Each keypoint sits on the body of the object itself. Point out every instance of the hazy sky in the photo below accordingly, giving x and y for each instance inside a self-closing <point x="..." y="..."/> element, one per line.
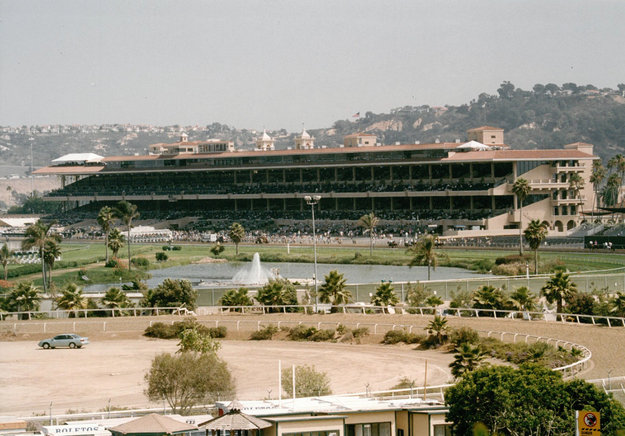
<point x="273" y="64"/>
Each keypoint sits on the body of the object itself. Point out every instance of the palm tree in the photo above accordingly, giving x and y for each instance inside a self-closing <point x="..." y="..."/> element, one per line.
<point x="438" y="328"/>
<point x="25" y="297"/>
<point x="423" y="252"/>
<point x="521" y="188"/>
<point x="469" y="357"/>
<point x="384" y="296"/>
<point x="559" y="288"/>
<point x="333" y="291"/>
<point x="535" y="234"/>
<point x="71" y="298"/>
<point x="369" y="222"/>
<point x="105" y="220"/>
<point x="236" y="297"/>
<point x="126" y="212"/>
<point x="236" y="233"/>
<point x="489" y="297"/>
<point x="51" y="252"/>
<point x="523" y="299"/>
<point x="116" y="241"/>
<point x="611" y="190"/>
<point x="617" y="163"/>
<point x="596" y="178"/>
<point x="5" y="256"/>
<point x="37" y="236"/>
<point x="115" y="298"/>
<point x="576" y="183"/>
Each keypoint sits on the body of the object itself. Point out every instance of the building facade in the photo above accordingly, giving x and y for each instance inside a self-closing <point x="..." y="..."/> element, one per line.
<point x="464" y="189"/>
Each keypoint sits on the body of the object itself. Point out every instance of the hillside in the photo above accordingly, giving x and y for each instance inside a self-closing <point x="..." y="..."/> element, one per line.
<point x="547" y="116"/>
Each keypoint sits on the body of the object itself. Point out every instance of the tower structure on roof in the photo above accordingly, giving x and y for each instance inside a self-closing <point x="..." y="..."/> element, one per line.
<point x="265" y="142"/>
<point x="304" y="141"/>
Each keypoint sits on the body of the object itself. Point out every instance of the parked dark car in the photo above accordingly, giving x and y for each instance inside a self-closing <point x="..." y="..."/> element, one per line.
<point x="70" y="340"/>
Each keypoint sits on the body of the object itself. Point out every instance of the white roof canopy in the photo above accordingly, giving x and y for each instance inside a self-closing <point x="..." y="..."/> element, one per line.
<point x="473" y="146"/>
<point x="79" y="157"/>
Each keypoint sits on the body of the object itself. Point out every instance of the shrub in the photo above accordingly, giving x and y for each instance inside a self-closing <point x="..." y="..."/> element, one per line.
<point x="161" y="257"/>
<point x="464" y="335"/>
<point x="264" y="334"/>
<point x="160" y="330"/>
<point x="140" y="262"/>
<point x="301" y="333"/>
<point x="166" y="248"/>
<point x="397" y="336"/>
<point x="176" y="248"/>
<point x="112" y="263"/>
<point x="322" y="336"/>
<point x="360" y="332"/>
<point x="509" y="269"/>
<point x="217" y="249"/>
<point x="171" y="331"/>
<point x="514" y="258"/>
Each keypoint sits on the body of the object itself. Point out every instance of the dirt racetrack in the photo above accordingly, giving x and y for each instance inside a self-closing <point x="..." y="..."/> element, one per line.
<point x="113" y="365"/>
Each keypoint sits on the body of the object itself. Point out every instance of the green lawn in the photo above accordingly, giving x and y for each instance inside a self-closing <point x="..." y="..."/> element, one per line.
<point x="90" y="256"/>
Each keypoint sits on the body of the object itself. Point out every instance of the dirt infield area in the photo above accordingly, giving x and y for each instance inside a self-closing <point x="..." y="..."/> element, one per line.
<point x="113" y="365"/>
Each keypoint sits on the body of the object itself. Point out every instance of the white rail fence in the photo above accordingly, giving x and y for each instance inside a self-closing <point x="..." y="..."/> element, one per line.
<point x="363" y="309"/>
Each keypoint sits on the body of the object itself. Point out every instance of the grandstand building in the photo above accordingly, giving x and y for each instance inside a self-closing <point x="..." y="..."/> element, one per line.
<point x="463" y="189"/>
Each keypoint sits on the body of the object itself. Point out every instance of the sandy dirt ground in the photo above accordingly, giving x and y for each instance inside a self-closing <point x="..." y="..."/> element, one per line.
<point x="85" y="379"/>
<point x="113" y="365"/>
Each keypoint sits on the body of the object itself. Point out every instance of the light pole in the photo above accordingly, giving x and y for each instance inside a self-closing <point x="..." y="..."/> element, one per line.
<point x="312" y="201"/>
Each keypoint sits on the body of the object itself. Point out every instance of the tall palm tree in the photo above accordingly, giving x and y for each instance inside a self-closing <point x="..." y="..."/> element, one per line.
<point x="126" y="213"/>
<point x="438" y="328"/>
<point x="369" y="222"/>
<point x="116" y="241"/>
<point x="384" y="295"/>
<point x="334" y="290"/>
<point x="576" y="184"/>
<point x="521" y="188"/>
<point x="611" y="190"/>
<point x="559" y="288"/>
<point x="71" y="298"/>
<point x="236" y="233"/>
<point x="25" y="297"/>
<point x="469" y="357"/>
<point x="617" y="163"/>
<point x="5" y="257"/>
<point x="535" y="234"/>
<point x="105" y="220"/>
<point x="37" y="236"/>
<point x="596" y="178"/>
<point x="51" y="252"/>
<point x="423" y="252"/>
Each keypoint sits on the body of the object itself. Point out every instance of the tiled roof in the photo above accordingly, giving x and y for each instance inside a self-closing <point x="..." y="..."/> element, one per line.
<point x="153" y="424"/>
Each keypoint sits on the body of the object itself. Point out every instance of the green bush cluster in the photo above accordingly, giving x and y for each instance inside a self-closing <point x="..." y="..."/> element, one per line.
<point x="264" y="334"/>
<point x="161" y="257"/>
<point x="112" y="263"/>
<point x="172" y="331"/>
<point x="140" y="262"/>
<point x="171" y="248"/>
<point x="397" y="336"/>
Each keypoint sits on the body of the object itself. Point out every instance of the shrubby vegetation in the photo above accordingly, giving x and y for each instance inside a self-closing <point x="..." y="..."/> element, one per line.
<point x="310" y="333"/>
<point x="529" y="400"/>
<point x="308" y="382"/>
<point x="171" y="331"/>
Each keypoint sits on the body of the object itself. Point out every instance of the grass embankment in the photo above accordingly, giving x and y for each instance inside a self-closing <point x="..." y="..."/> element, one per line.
<point x="90" y="257"/>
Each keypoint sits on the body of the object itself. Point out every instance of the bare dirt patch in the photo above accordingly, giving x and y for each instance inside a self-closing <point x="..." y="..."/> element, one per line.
<point x="114" y="364"/>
